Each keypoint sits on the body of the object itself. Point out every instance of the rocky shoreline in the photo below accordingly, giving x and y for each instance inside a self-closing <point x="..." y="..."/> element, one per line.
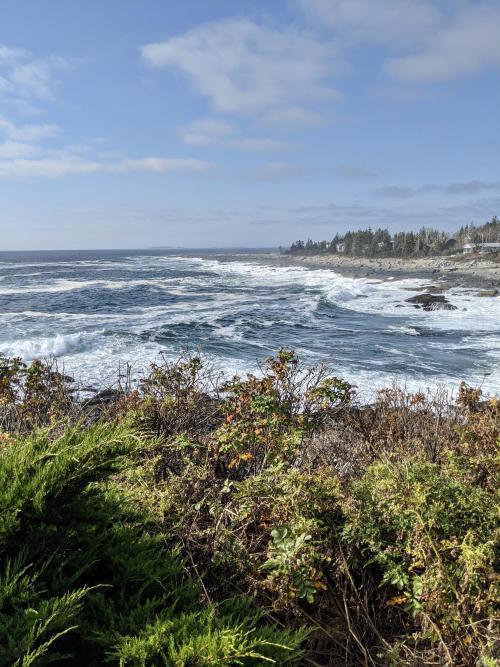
<point x="458" y="271"/>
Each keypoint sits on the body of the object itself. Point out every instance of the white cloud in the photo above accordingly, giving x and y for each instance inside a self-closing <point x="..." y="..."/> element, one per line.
<point x="47" y="166"/>
<point x="206" y="131"/>
<point x="469" y="44"/>
<point x="434" y="41"/>
<point x="389" y="22"/>
<point x="16" y="149"/>
<point x="158" y="165"/>
<point x="27" y="132"/>
<point x="20" y="141"/>
<point x="245" y="68"/>
<point x="61" y="163"/>
<point x="23" y="149"/>
<point x="23" y="75"/>
<point x="210" y="132"/>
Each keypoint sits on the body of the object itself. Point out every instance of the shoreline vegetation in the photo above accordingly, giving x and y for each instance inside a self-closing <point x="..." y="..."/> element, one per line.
<point x="426" y="242"/>
<point x="199" y="521"/>
<point x="426" y="254"/>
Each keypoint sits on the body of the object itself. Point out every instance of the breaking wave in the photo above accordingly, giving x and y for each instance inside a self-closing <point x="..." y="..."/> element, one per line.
<point x="109" y="308"/>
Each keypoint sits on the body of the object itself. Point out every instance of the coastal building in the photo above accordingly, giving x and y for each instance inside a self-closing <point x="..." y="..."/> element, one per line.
<point x="340" y="247"/>
<point x="481" y="247"/>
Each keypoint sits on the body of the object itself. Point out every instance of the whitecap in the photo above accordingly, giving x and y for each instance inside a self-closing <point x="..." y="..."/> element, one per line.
<point x="48" y="347"/>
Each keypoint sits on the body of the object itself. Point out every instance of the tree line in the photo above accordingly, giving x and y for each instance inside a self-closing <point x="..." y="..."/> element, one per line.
<point x="380" y="243"/>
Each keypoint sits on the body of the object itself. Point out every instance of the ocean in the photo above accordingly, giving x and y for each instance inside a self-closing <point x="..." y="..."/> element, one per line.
<point x="97" y="310"/>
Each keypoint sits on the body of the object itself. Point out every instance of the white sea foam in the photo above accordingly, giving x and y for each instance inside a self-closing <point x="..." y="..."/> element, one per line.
<point x="60" y="285"/>
<point x="50" y="346"/>
<point x="410" y="331"/>
<point x="254" y="308"/>
<point x="473" y="312"/>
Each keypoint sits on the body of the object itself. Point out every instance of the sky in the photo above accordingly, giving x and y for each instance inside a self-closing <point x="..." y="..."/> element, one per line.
<point x="145" y="123"/>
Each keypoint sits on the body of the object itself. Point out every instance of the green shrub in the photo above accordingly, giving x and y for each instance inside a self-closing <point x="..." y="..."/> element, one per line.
<point x="87" y="577"/>
<point x="433" y="534"/>
<point x="213" y="513"/>
<point x="34" y="395"/>
<point x="268" y="417"/>
<point x="177" y="397"/>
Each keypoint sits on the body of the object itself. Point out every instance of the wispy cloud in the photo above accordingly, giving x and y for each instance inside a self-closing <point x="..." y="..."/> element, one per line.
<point x="30" y="150"/>
<point x="471" y="187"/>
<point x="465" y="188"/>
<point x="388" y="22"/>
<point x="157" y="165"/>
<point x="245" y="68"/>
<point x="206" y="131"/>
<point x="425" y="41"/>
<point x="16" y="149"/>
<point x="64" y="162"/>
<point x="333" y="216"/>
<point x="31" y="133"/>
<point x="24" y="75"/>
<point x="210" y="132"/>
<point x="468" y="44"/>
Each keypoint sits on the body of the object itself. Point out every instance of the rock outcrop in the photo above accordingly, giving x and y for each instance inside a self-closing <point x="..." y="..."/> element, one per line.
<point x="431" y="302"/>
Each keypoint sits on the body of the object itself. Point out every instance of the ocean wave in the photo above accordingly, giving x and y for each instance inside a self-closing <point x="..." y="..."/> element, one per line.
<point x="402" y="329"/>
<point x="50" y="346"/>
<point x="380" y="297"/>
<point x="60" y="285"/>
<point x="240" y="312"/>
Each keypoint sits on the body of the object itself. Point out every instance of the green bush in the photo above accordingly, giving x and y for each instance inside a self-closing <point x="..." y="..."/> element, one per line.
<point x="34" y="395"/>
<point x="434" y="535"/>
<point x="86" y="577"/>
<point x="212" y="513"/>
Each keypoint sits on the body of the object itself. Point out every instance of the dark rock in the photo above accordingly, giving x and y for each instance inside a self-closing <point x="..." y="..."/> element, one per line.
<point x="439" y="306"/>
<point x="431" y="302"/>
<point x="426" y="299"/>
<point x="103" y="398"/>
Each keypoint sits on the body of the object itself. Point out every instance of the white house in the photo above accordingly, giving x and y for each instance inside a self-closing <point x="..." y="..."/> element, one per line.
<point x="481" y="247"/>
<point x="340" y="247"/>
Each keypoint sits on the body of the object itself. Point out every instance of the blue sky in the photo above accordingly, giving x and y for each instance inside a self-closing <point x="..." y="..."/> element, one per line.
<point x="145" y="123"/>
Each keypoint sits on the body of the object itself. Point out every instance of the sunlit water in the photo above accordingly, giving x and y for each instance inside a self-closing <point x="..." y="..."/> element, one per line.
<point x="97" y="310"/>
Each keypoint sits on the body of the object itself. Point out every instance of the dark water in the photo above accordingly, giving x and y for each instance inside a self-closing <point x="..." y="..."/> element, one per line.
<point x="97" y="309"/>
